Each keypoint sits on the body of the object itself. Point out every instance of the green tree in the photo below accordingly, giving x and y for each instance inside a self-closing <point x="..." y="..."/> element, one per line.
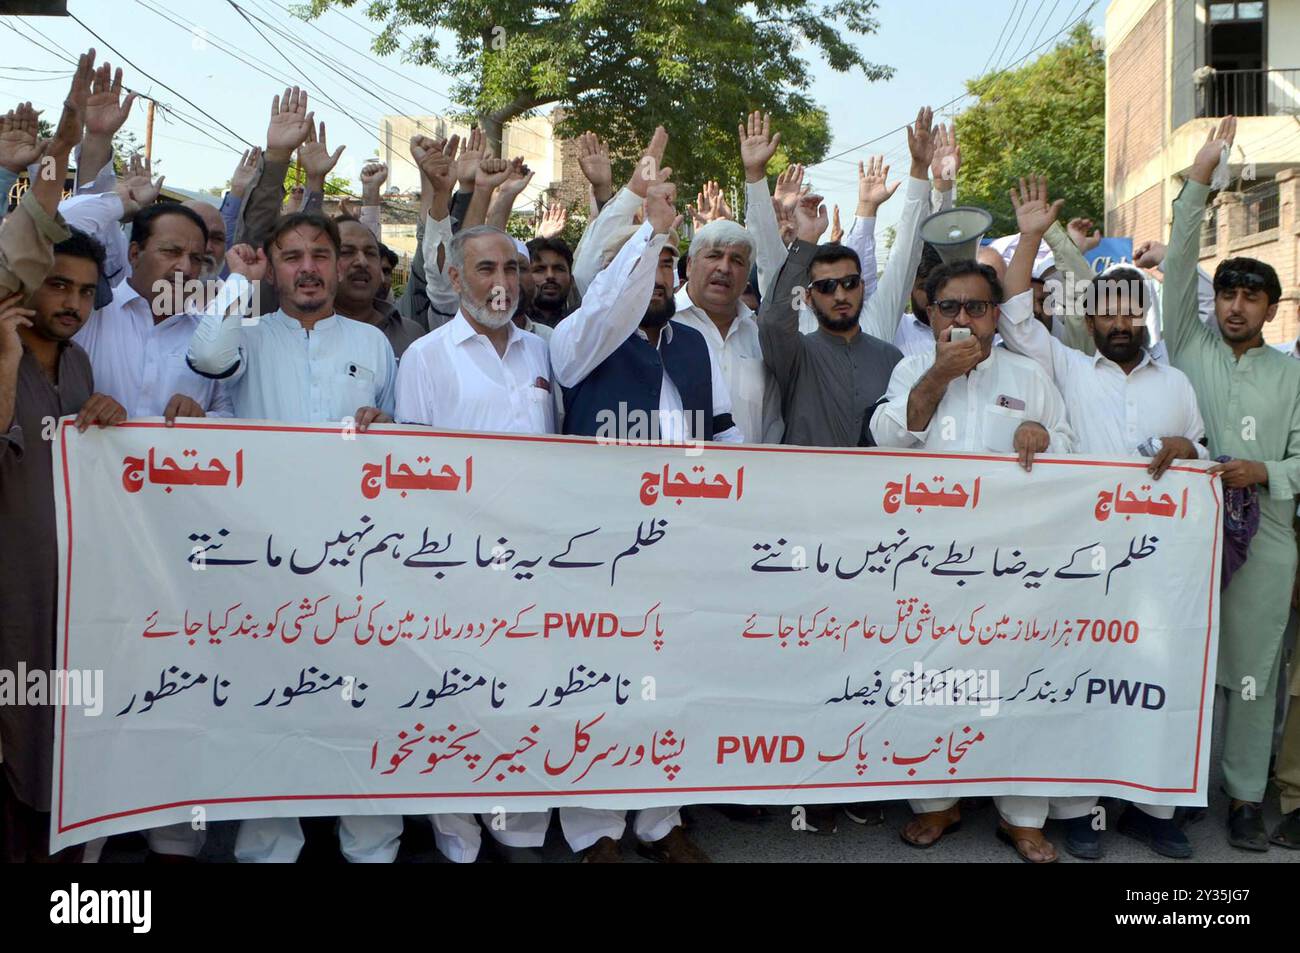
<point x="1047" y="117"/>
<point x="620" y="67"/>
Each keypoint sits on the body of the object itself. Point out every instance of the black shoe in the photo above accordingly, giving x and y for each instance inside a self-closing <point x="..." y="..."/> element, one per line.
<point x="1288" y="832"/>
<point x="1082" y="840"/>
<point x="1160" y="834"/>
<point x="820" y="819"/>
<point x="1246" y="828"/>
<point x="869" y="813"/>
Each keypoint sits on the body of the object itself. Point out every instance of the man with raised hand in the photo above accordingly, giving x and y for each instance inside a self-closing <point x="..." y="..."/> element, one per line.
<point x="830" y="378"/>
<point x="620" y="349"/>
<point x="480" y="371"/>
<point x="1117" y="400"/>
<point x="43" y="376"/>
<point x="1249" y="394"/>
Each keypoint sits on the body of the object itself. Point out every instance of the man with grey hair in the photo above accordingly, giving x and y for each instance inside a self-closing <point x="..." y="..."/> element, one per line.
<point x="480" y="371"/>
<point x="717" y="270"/>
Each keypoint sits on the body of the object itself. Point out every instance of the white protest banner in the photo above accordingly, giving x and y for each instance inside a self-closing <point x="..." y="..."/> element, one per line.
<point x="294" y="620"/>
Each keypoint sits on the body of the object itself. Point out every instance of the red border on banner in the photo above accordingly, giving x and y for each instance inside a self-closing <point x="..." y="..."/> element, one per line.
<point x="712" y="447"/>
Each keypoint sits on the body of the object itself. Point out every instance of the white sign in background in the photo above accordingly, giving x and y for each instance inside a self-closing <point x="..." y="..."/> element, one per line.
<point x="290" y="622"/>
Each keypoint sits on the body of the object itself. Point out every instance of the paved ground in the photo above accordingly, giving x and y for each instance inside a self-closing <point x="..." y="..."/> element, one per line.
<point x="775" y="840"/>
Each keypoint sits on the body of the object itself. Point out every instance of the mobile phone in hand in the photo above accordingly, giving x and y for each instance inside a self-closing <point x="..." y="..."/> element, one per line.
<point x="960" y="334"/>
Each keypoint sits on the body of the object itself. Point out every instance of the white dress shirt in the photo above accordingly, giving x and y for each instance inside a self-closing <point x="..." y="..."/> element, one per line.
<point x="755" y="396"/>
<point x="141" y="364"/>
<point x="972" y="415"/>
<point x="275" y="369"/>
<point x="611" y="311"/>
<point x="99" y="215"/>
<point x="454" y="378"/>
<point x="1110" y="412"/>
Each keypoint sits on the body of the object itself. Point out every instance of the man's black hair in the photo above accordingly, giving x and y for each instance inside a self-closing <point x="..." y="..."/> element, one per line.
<point x="1223" y="276"/>
<point x="1106" y="287"/>
<point x="832" y="252"/>
<point x="959" y="269"/>
<point x="388" y="255"/>
<point x="142" y="221"/>
<point x="81" y="245"/>
<point x="287" y="223"/>
<point x="557" y="245"/>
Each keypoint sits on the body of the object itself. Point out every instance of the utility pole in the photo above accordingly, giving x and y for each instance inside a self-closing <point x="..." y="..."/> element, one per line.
<point x="148" y="136"/>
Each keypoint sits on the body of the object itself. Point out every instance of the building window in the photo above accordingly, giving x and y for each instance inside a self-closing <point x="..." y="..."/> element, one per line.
<point x="1236" y="45"/>
<point x="1261" y="207"/>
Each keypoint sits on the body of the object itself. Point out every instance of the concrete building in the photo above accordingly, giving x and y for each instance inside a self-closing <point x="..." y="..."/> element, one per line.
<point x="1173" y="67"/>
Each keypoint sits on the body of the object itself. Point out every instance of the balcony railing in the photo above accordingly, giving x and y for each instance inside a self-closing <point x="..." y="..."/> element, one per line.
<point x="1249" y="92"/>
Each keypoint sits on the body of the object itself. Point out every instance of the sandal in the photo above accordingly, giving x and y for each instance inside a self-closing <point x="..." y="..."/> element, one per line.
<point x="933" y="825"/>
<point x="1025" y="839"/>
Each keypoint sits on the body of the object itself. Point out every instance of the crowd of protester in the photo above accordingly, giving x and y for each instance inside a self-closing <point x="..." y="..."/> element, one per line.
<point x="115" y="304"/>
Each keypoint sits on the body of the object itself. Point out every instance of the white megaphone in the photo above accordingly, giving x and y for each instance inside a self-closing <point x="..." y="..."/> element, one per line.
<point x="956" y="233"/>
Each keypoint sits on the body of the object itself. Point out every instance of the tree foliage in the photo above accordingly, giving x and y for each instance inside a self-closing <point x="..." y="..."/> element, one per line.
<point x="620" y="67"/>
<point x="1048" y="117"/>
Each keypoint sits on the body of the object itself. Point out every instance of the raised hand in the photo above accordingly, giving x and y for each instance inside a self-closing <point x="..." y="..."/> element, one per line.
<point x="810" y="218"/>
<point x="290" y="124"/>
<point x="837" y="231"/>
<point x="517" y="179"/>
<point x="245" y="171"/>
<point x="788" y="184"/>
<point x="593" y="160"/>
<point x="1207" y="159"/>
<point x="1082" y="232"/>
<point x="19" y="146"/>
<point x="921" y="142"/>
<point x="711" y="205"/>
<point x="757" y="145"/>
<point x="373" y="177"/>
<point x="874" y="189"/>
<point x="552" y="222"/>
<point x="1149" y="254"/>
<point x="1034" y="213"/>
<point x="106" y="111"/>
<point x="947" y="157"/>
<point x="437" y="160"/>
<point x="648" y="169"/>
<point x="247" y="261"/>
<point x="72" y="121"/>
<point x="315" y="157"/>
<point x="135" y="187"/>
<point x="472" y="150"/>
<point x="491" y="173"/>
<point x="658" y="208"/>
<point x="784" y="221"/>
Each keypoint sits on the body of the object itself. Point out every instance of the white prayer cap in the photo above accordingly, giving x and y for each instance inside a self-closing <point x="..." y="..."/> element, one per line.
<point x="1043" y="265"/>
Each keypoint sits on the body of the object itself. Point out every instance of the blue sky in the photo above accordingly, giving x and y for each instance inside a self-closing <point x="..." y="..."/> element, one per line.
<point x="934" y="46"/>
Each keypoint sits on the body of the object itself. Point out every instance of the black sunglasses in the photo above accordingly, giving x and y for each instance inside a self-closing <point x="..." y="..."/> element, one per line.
<point x="827" y="285"/>
<point x="1240" y="279"/>
<point x="950" y="307"/>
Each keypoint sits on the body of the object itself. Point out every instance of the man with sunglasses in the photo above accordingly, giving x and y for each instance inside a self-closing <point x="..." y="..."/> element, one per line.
<point x="970" y="396"/>
<point x="828" y="378"/>
<point x="1250" y="396"/>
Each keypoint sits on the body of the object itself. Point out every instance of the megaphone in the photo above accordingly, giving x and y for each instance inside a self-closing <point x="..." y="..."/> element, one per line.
<point x="956" y="233"/>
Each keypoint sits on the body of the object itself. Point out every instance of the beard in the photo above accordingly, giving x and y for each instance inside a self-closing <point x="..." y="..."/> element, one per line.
<point x="486" y="316"/>
<point x="921" y="314"/>
<point x="657" y="315"/>
<point x="1125" y="352"/>
<point x="831" y="323"/>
